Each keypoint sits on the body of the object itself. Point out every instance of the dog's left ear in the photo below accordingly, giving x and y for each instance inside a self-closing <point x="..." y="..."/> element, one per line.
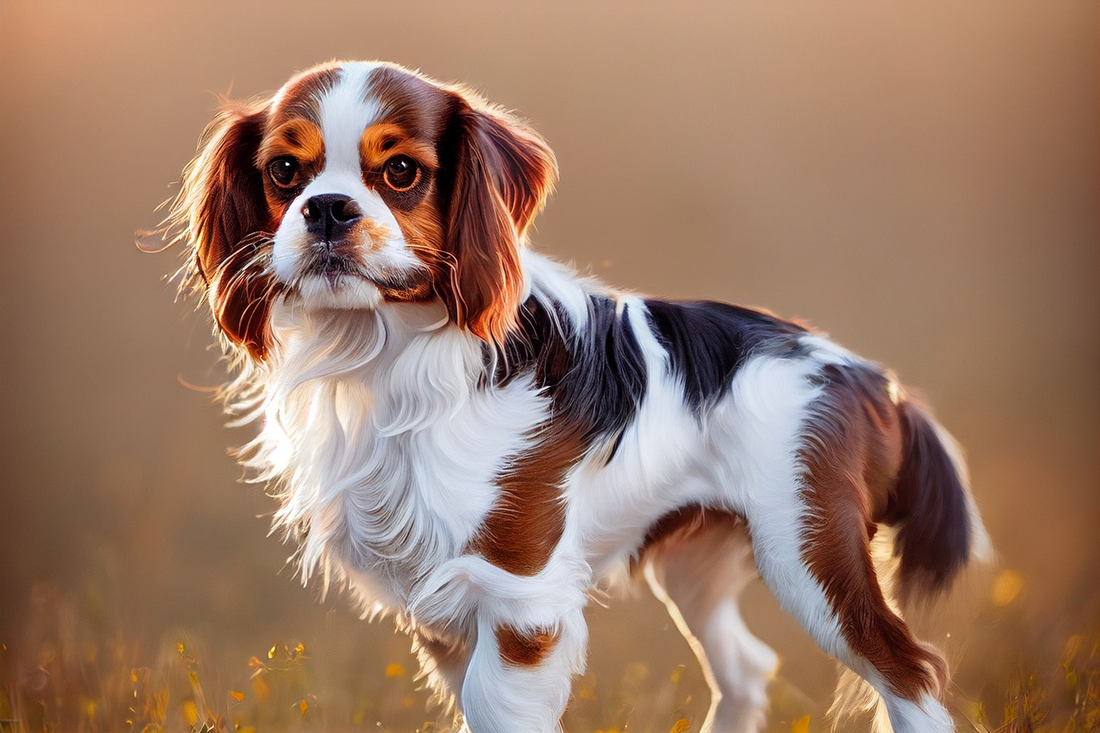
<point x="503" y="173"/>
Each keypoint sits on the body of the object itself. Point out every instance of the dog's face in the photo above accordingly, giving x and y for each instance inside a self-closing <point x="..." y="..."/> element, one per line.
<point x="359" y="184"/>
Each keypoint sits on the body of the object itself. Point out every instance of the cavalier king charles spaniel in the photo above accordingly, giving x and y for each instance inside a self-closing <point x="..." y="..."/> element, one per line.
<point x="471" y="437"/>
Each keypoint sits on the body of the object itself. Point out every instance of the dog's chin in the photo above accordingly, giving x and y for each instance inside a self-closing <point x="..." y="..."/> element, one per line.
<point x="342" y="292"/>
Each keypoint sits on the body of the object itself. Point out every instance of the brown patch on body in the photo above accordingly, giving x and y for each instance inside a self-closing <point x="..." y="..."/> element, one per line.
<point x="524" y="649"/>
<point x="851" y="465"/>
<point x="523" y="528"/>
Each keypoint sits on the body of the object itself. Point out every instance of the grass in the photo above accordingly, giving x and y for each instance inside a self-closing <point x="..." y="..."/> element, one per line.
<point x="72" y="670"/>
<point x="93" y="689"/>
<point x="1064" y="700"/>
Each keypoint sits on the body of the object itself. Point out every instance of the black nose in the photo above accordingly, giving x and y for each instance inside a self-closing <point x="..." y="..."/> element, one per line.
<point x="331" y="215"/>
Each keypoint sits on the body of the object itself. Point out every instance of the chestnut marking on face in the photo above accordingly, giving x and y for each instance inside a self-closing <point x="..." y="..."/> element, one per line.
<point x="290" y="155"/>
<point x="400" y="167"/>
<point x="299" y="97"/>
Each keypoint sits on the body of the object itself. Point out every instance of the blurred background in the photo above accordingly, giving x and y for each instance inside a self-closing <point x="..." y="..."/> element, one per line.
<point x="920" y="179"/>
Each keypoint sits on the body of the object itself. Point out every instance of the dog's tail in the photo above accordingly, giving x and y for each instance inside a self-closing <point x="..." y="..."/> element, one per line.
<point x="937" y="527"/>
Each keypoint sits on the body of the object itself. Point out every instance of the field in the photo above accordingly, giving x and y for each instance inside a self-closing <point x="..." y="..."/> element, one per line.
<point x="76" y="669"/>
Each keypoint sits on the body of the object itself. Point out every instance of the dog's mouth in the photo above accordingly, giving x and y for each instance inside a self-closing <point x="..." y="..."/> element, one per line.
<point x="340" y="271"/>
<point x="328" y="264"/>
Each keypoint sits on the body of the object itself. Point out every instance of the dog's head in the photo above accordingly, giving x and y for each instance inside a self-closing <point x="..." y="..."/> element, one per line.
<point x="358" y="184"/>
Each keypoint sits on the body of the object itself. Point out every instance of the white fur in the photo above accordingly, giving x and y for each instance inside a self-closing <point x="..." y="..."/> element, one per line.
<point x="346" y="111"/>
<point x="363" y="402"/>
<point x="929" y="716"/>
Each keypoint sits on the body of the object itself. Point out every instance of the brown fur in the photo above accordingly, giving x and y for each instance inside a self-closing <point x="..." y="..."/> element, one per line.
<point x="224" y="202"/>
<point x="850" y="474"/>
<point x="523" y="528"/>
<point x="503" y="174"/>
<point x="524" y="650"/>
<point x="299" y="138"/>
<point x="383" y="140"/>
<point x="300" y="95"/>
<point x="418" y="107"/>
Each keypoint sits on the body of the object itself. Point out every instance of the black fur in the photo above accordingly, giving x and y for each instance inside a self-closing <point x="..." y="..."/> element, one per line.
<point x="707" y="342"/>
<point x="934" y="540"/>
<point x="597" y="376"/>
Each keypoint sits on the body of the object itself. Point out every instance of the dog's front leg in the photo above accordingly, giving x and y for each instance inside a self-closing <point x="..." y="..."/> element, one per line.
<point x="531" y="638"/>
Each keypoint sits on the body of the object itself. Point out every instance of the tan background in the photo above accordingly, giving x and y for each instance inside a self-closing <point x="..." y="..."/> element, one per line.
<point x="921" y="179"/>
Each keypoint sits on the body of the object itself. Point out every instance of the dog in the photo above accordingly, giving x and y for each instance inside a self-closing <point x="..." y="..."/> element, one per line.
<point x="471" y="437"/>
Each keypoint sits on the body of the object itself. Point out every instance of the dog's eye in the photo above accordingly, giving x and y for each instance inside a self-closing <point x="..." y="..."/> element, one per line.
<point x="401" y="173"/>
<point x="283" y="171"/>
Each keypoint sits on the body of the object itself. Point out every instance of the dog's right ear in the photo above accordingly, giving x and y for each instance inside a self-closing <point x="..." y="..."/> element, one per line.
<point x="224" y="216"/>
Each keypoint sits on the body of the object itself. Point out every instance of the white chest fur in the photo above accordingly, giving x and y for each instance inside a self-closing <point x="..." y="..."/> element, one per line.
<point x="382" y="439"/>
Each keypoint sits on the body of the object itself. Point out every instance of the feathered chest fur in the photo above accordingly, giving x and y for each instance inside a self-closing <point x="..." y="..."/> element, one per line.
<point x="383" y="441"/>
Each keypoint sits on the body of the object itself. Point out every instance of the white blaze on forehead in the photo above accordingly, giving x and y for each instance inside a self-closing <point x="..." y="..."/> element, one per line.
<point x="345" y="113"/>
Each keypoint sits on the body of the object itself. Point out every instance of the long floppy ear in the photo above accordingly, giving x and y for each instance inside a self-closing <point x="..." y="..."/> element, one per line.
<point x="224" y="214"/>
<point x="503" y="175"/>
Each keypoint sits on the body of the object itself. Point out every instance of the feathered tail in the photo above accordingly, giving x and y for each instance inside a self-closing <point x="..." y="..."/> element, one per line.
<point x="937" y="530"/>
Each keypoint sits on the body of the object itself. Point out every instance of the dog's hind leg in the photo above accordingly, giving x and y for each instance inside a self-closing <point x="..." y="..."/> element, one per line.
<point x="698" y="569"/>
<point x="824" y="576"/>
<point x="813" y="465"/>
<point x="828" y="584"/>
